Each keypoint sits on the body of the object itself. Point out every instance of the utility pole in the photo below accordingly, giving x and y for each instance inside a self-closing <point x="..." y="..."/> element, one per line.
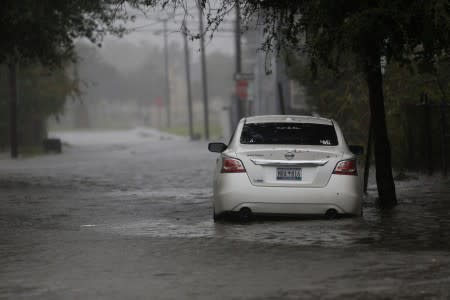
<point x="205" y="82"/>
<point x="13" y="133"/>
<point x="237" y="36"/>
<point x="166" y="70"/>
<point x="188" y="80"/>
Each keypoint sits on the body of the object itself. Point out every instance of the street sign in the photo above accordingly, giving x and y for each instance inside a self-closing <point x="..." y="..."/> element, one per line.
<point x="241" y="89"/>
<point x="159" y="102"/>
<point x="244" y="76"/>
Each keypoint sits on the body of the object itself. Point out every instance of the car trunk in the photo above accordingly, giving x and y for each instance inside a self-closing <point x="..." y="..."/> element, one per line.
<point x="289" y="166"/>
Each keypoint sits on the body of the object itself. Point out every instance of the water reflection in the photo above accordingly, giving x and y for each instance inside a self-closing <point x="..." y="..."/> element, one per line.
<point x="412" y="225"/>
<point x="330" y="233"/>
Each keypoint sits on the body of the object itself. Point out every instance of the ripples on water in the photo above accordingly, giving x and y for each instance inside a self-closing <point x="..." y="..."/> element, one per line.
<point x="421" y="221"/>
<point x="148" y="175"/>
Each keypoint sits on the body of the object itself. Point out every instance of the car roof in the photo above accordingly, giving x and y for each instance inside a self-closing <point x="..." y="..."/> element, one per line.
<point x="288" y="119"/>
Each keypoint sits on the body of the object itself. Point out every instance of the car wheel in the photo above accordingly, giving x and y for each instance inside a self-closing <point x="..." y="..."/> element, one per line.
<point x="331" y="214"/>
<point x="245" y="215"/>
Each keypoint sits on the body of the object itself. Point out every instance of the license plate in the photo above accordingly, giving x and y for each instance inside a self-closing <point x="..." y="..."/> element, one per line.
<point x="289" y="174"/>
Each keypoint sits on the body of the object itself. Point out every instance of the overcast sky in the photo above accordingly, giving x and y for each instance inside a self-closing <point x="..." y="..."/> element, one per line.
<point x="147" y="31"/>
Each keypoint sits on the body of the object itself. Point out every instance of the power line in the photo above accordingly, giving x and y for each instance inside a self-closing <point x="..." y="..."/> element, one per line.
<point x="161" y="20"/>
<point x="144" y="25"/>
<point x="178" y="30"/>
<point x="172" y="17"/>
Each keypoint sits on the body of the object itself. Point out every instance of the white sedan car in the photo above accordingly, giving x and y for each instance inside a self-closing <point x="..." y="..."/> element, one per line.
<point x="281" y="164"/>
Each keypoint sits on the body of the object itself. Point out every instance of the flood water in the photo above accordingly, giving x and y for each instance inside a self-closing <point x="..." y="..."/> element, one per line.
<point x="127" y="214"/>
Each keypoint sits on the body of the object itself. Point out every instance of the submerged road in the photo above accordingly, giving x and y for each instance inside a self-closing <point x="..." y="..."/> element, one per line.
<point x="127" y="215"/>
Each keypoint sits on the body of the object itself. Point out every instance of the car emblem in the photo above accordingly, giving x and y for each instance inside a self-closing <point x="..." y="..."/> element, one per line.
<point x="289" y="155"/>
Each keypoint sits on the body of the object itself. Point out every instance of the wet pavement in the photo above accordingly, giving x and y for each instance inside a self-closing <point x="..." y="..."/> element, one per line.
<point x="127" y="215"/>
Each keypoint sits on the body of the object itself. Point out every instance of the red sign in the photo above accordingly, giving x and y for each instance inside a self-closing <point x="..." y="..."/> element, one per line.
<point x="241" y="89"/>
<point x="159" y="102"/>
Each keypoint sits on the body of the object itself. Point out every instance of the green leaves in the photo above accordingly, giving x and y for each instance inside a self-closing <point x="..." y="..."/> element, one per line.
<point x="398" y="29"/>
<point x="44" y="31"/>
<point x="42" y="93"/>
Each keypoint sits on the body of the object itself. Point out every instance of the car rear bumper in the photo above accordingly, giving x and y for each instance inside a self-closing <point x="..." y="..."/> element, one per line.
<point x="234" y="191"/>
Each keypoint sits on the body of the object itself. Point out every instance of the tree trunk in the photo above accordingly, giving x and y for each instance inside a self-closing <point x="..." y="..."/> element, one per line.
<point x="13" y="133"/>
<point x="368" y="157"/>
<point x="427" y="136"/>
<point x="385" y="181"/>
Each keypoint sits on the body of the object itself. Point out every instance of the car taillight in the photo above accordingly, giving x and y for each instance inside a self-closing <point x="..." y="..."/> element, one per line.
<point x="232" y="165"/>
<point x="346" y="167"/>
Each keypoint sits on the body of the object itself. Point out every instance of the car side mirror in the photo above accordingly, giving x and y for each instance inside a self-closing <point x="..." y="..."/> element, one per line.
<point x="217" y="147"/>
<point x="357" y="150"/>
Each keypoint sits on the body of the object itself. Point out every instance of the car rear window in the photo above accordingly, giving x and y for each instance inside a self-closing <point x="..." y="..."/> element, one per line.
<point x="289" y="134"/>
